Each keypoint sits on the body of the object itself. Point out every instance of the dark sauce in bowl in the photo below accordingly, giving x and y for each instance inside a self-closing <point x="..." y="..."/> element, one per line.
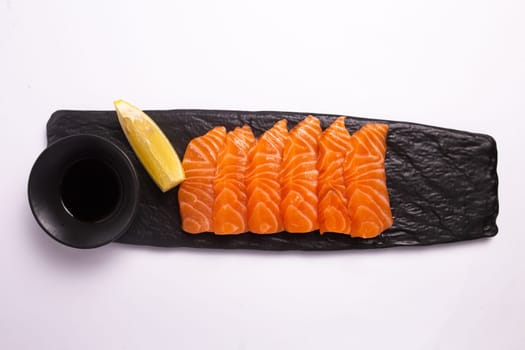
<point x="90" y="190"/>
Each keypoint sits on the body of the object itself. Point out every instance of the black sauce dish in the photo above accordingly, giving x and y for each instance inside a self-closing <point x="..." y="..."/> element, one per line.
<point x="83" y="191"/>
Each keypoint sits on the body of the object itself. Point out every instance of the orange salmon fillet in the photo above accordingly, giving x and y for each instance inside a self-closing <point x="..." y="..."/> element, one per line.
<point x="264" y="182"/>
<point x="196" y="192"/>
<point x="334" y="143"/>
<point x="230" y="206"/>
<point x="300" y="176"/>
<point x="365" y="180"/>
<point x="297" y="181"/>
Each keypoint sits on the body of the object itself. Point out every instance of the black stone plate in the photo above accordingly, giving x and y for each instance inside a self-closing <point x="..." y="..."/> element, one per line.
<point x="443" y="183"/>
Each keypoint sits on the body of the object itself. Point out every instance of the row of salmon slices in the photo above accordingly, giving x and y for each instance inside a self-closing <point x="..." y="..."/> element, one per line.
<point x="298" y="181"/>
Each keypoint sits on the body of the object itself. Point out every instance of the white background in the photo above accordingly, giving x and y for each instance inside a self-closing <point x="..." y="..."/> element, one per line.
<point x="457" y="64"/>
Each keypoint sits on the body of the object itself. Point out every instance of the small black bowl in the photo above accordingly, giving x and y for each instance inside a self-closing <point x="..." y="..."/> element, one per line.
<point x="83" y="191"/>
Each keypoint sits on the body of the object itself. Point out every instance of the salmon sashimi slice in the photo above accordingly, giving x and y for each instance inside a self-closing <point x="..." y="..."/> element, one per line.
<point x="365" y="182"/>
<point x="230" y="214"/>
<point x="263" y="181"/>
<point x="299" y="177"/>
<point x="196" y="194"/>
<point x="334" y="143"/>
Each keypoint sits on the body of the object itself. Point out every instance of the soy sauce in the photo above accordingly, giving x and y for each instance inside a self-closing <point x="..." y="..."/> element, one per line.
<point x="90" y="190"/>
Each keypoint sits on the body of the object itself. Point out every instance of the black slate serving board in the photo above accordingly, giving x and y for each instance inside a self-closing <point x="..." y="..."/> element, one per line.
<point x="443" y="183"/>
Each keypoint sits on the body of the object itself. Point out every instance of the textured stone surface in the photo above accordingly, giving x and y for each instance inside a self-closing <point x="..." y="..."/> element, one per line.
<point x="443" y="183"/>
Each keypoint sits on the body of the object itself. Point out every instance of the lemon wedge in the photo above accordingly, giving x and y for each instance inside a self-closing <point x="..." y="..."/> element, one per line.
<point x="151" y="146"/>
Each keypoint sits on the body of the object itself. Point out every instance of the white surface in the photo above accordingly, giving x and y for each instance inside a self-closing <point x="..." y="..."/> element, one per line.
<point x="458" y="64"/>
